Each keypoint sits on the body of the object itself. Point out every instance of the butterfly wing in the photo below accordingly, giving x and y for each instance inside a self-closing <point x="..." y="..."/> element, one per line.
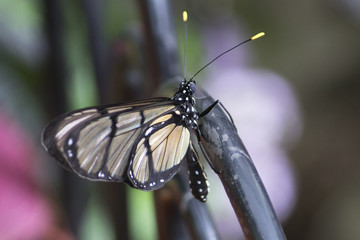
<point x="159" y="152"/>
<point x="99" y="143"/>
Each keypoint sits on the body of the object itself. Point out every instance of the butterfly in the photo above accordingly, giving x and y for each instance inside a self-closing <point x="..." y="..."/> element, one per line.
<point x="140" y="143"/>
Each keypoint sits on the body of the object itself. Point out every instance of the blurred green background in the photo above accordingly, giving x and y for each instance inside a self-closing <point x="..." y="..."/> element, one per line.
<point x="314" y="45"/>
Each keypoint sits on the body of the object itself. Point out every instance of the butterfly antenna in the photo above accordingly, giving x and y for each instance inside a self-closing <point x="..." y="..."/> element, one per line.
<point x="185" y="17"/>
<point x="250" y="39"/>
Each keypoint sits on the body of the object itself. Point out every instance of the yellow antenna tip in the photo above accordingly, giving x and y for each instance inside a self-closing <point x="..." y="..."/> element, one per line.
<point x="259" y="35"/>
<point x="185" y="16"/>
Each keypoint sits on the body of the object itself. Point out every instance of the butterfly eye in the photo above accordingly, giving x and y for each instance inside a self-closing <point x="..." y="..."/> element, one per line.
<point x="192" y="87"/>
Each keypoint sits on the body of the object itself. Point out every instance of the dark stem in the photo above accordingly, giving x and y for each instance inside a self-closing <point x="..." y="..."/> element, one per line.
<point x="72" y="192"/>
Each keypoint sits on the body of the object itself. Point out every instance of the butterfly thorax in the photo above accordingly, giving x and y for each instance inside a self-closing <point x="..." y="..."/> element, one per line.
<point x="184" y="96"/>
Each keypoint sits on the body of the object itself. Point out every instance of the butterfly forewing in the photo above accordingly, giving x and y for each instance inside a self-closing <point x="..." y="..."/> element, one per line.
<point x="57" y="132"/>
<point x="98" y="143"/>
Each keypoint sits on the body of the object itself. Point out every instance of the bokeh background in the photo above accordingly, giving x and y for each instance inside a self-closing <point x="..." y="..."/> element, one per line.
<point x="294" y="96"/>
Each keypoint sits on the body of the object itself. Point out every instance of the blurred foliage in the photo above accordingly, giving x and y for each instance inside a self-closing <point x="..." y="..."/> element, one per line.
<point x="97" y="224"/>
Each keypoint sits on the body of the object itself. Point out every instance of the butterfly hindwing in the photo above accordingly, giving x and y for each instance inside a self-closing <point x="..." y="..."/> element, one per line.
<point x="159" y="152"/>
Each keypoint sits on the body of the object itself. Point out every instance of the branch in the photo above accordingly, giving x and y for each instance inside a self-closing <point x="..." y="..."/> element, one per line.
<point x="241" y="181"/>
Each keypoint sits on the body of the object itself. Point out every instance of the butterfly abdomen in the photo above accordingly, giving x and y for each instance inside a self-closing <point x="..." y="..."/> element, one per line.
<point x="199" y="184"/>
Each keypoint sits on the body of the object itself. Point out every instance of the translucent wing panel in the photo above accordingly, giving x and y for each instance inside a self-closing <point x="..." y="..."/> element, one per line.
<point x="91" y="145"/>
<point x="101" y="149"/>
<point x="120" y="152"/>
<point x="58" y="131"/>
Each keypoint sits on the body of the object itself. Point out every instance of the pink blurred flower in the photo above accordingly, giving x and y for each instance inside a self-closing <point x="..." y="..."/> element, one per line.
<point x="25" y="212"/>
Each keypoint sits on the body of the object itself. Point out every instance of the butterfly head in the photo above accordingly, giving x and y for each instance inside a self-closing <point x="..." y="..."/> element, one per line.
<point x="185" y="92"/>
<point x="188" y="87"/>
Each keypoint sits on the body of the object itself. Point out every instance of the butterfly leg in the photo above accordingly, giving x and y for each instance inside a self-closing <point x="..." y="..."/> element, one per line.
<point x="208" y="109"/>
<point x="227" y="112"/>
